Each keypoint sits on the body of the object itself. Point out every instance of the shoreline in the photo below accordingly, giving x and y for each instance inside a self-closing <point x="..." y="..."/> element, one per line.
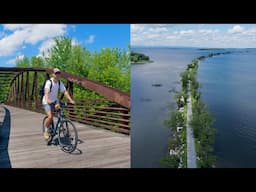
<point x="141" y="62"/>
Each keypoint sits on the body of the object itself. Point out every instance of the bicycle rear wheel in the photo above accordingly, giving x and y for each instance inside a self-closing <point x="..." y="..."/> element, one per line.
<point x="67" y="135"/>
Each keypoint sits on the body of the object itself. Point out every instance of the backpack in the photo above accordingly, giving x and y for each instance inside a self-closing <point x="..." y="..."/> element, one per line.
<point x="41" y="90"/>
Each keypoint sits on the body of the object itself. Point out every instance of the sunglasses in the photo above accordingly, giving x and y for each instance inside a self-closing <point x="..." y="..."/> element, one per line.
<point x="57" y="73"/>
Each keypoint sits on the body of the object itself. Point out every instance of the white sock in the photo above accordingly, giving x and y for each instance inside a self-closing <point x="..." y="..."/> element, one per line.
<point x="45" y="129"/>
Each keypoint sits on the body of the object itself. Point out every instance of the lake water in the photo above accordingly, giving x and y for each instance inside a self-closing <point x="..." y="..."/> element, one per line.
<point x="150" y="105"/>
<point x="229" y="90"/>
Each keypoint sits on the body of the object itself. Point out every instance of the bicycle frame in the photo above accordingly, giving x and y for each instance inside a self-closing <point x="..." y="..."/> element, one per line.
<point x="67" y="141"/>
<point x="60" y="118"/>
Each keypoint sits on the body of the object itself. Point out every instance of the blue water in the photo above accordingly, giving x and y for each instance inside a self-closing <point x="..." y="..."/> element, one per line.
<point x="152" y="105"/>
<point x="229" y="90"/>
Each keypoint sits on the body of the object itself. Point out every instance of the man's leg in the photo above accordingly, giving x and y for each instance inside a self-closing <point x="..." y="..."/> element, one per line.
<point x="48" y="121"/>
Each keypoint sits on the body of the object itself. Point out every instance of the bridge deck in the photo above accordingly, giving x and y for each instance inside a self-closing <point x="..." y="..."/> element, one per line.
<point x="26" y="147"/>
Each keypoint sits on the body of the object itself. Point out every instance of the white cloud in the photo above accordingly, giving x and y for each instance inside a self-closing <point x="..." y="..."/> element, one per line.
<point x="139" y="28"/>
<point x="20" y="57"/>
<point x="11" y="61"/>
<point x="197" y="35"/>
<point x="136" y="28"/>
<point x="13" y="27"/>
<point x="250" y="32"/>
<point x="45" y="46"/>
<point x="10" y="43"/>
<point x="90" y="39"/>
<point x="28" y="34"/>
<point x="187" y="32"/>
<point x="2" y="34"/>
<point x="74" y="42"/>
<point x="43" y="31"/>
<point x="162" y="25"/>
<point x="14" y="60"/>
<point x="158" y="29"/>
<point x="208" y="31"/>
<point x="236" y="29"/>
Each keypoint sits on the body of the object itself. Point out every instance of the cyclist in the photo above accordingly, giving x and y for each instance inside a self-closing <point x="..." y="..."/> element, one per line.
<point x="51" y="96"/>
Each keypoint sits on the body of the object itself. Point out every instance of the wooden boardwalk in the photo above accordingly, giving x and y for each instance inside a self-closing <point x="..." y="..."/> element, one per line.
<point x="22" y="145"/>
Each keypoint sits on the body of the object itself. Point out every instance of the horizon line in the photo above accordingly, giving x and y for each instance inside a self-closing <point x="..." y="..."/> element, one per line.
<point x="167" y="46"/>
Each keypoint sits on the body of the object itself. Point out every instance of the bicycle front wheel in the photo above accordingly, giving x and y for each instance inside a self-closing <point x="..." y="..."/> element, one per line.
<point x="67" y="136"/>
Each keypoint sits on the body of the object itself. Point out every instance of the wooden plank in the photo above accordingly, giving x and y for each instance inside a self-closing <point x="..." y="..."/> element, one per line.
<point x="27" y="149"/>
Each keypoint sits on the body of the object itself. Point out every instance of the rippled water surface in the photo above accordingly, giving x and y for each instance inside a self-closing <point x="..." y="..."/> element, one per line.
<point x="229" y="90"/>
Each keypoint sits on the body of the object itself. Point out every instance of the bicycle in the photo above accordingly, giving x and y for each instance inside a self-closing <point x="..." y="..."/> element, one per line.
<point x="64" y="129"/>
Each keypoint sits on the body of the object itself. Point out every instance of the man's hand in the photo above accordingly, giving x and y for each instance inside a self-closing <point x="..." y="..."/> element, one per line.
<point x="69" y="98"/>
<point x="72" y="101"/>
<point x="57" y="106"/>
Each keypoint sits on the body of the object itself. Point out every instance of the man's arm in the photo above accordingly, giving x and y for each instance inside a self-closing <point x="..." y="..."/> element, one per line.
<point x="46" y="93"/>
<point x="68" y="97"/>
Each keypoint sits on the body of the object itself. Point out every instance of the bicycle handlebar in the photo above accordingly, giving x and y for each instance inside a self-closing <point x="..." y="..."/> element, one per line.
<point x="61" y="103"/>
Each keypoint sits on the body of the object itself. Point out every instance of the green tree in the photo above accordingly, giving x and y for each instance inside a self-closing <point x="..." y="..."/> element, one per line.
<point x="179" y="97"/>
<point x="170" y="161"/>
<point x="24" y="62"/>
<point x="139" y="57"/>
<point x="108" y="66"/>
<point x="37" y="61"/>
<point x="112" y="68"/>
<point x="60" y="53"/>
<point x="175" y="120"/>
<point x="174" y="142"/>
<point x="202" y="124"/>
<point x="184" y="80"/>
<point x="81" y="58"/>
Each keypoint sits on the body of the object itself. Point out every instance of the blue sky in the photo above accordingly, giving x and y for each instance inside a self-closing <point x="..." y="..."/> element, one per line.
<point x="19" y="40"/>
<point x="194" y="35"/>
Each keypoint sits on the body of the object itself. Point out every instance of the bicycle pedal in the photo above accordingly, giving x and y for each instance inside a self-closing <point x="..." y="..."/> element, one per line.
<point x="48" y="143"/>
<point x="49" y="140"/>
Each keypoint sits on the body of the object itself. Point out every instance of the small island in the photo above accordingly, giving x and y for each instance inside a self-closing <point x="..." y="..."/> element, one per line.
<point x="139" y="58"/>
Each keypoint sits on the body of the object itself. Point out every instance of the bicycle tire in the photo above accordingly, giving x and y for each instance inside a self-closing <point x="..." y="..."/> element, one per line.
<point x="64" y="132"/>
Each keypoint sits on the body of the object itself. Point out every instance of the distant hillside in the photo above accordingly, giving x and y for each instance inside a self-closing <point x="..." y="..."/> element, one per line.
<point x="139" y="58"/>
